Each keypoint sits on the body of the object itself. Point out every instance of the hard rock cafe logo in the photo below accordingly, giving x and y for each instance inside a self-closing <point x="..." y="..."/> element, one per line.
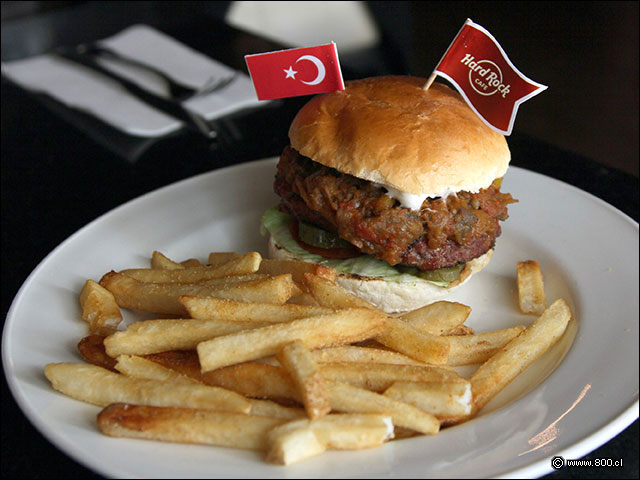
<point x="485" y="76"/>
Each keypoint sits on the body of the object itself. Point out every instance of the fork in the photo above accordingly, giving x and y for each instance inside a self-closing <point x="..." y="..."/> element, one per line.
<point x="177" y="91"/>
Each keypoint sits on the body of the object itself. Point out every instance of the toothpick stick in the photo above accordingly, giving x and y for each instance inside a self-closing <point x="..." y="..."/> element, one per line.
<point x="429" y="81"/>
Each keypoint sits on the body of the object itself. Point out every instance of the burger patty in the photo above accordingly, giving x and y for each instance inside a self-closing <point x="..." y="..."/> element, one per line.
<point x="443" y="233"/>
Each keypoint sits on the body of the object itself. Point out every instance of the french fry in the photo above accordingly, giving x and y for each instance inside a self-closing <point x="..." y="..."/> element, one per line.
<point x="187" y="425"/>
<point x="460" y="330"/>
<point x="164" y="298"/>
<point x="338" y="328"/>
<point x="473" y="349"/>
<point x="99" y="308"/>
<point x="102" y="387"/>
<point x="446" y="401"/>
<point x="438" y="318"/>
<point x="297" y="269"/>
<point x="350" y="399"/>
<point x="497" y="372"/>
<point x="268" y="408"/>
<point x="298" y="440"/>
<point x="191" y="262"/>
<point x="161" y="262"/>
<point x="291" y="443"/>
<point x="356" y="354"/>
<point x="215" y="308"/>
<point x="329" y="294"/>
<point x="254" y="380"/>
<point x="92" y="350"/>
<point x="218" y="258"/>
<point x="410" y="341"/>
<point x="243" y="265"/>
<point x="296" y="359"/>
<point x="161" y="335"/>
<point x="139" y="367"/>
<point x="530" y="287"/>
<point x="303" y="299"/>
<point x="379" y="377"/>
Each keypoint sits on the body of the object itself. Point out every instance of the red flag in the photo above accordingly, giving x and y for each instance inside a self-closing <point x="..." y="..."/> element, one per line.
<point x="483" y="74"/>
<point x="294" y="72"/>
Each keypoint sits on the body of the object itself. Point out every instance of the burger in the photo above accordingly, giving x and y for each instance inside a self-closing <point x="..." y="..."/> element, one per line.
<point x="395" y="187"/>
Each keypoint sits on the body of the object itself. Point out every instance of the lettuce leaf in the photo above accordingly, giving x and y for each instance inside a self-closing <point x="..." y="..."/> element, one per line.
<point x="276" y="223"/>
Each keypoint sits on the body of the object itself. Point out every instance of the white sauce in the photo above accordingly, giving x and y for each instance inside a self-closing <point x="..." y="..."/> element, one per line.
<point x="413" y="201"/>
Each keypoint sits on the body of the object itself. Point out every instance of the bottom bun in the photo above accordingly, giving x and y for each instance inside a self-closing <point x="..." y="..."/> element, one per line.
<point x="394" y="297"/>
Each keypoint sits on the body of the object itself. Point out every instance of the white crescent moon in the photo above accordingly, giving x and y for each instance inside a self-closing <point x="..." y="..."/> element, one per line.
<point x="319" y="65"/>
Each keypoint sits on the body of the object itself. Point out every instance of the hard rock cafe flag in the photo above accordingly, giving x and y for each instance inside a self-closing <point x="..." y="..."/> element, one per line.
<point x="483" y="74"/>
<point x="294" y="72"/>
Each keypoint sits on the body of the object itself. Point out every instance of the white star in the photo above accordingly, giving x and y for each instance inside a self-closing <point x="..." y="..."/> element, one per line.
<point x="291" y="73"/>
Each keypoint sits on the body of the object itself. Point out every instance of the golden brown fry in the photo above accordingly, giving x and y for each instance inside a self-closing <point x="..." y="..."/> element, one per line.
<point x="410" y="341"/>
<point x="297" y="361"/>
<point x="329" y="294"/>
<point x="92" y="350"/>
<point x="338" y="328"/>
<point x="256" y="380"/>
<point x="139" y="367"/>
<point x="218" y="258"/>
<point x="98" y="386"/>
<point x="460" y="330"/>
<point x="473" y="349"/>
<point x="99" y="308"/>
<point x="379" y="377"/>
<point x="356" y="354"/>
<point x="350" y="399"/>
<point x="447" y="401"/>
<point x="530" y="287"/>
<point x="161" y="262"/>
<point x="244" y="265"/>
<point x="268" y="408"/>
<point x="164" y="298"/>
<point x="215" y="308"/>
<point x="296" y="268"/>
<point x="438" y="318"/>
<point x="187" y="425"/>
<point x="497" y="372"/>
<point x="153" y="336"/>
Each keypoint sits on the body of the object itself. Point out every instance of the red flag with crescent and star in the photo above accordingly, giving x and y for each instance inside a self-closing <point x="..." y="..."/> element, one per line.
<point x="294" y="72"/>
<point x="483" y="74"/>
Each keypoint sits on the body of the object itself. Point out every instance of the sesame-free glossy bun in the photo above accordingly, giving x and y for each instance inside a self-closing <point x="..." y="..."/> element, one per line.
<point x="390" y="131"/>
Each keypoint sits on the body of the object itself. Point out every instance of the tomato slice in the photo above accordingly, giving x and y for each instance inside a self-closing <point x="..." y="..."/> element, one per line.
<point x="339" y="253"/>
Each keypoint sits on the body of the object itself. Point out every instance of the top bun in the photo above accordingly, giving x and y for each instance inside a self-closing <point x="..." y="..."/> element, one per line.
<point x="388" y="130"/>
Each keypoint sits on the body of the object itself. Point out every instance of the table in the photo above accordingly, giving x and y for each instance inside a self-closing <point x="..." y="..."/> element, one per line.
<point x="56" y="179"/>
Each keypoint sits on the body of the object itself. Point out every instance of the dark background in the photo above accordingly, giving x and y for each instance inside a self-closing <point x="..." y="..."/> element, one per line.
<point x="586" y="52"/>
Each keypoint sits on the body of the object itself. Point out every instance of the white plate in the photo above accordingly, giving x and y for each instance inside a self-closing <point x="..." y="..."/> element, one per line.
<point x="560" y="406"/>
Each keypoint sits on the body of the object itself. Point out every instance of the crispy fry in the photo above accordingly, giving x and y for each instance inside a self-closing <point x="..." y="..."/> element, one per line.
<point x="414" y="343"/>
<point x="356" y="354"/>
<point x="296" y="359"/>
<point x="254" y="380"/>
<point x="460" y="330"/>
<point x="92" y="350"/>
<point x="338" y="328"/>
<point x="214" y="308"/>
<point x="350" y="399"/>
<point x="438" y="318"/>
<point x="153" y="336"/>
<point x="473" y="349"/>
<point x="379" y="377"/>
<point x="139" y="367"/>
<point x="297" y="268"/>
<point x="243" y="265"/>
<point x="518" y="354"/>
<point x="530" y="287"/>
<point x="187" y="425"/>
<point x="99" y="308"/>
<point x="101" y="387"/>
<point x="218" y="258"/>
<point x="329" y="294"/>
<point x="447" y="401"/>
<point x="161" y="262"/>
<point x="268" y="408"/>
<point x="163" y="298"/>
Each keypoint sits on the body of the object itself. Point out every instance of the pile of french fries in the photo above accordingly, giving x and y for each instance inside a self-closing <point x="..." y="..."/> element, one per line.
<point x="274" y="356"/>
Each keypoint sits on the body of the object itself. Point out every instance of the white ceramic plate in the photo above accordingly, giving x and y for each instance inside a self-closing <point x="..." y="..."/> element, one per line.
<point x="575" y="398"/>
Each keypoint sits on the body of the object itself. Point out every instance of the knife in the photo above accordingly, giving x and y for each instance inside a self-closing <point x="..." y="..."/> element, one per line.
<point x="190" y="119"/>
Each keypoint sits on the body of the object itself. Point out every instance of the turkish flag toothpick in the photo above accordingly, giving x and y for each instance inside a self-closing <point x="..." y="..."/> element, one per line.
<point x="483" y="74"/>
<point x="294" y="72"/>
